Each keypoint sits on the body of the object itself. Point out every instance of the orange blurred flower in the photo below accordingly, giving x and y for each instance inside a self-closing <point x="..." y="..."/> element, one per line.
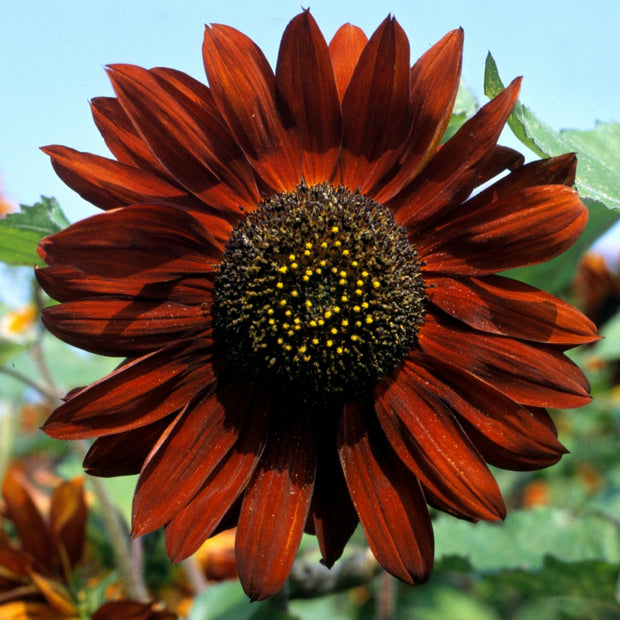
<point x="35" y="571"/>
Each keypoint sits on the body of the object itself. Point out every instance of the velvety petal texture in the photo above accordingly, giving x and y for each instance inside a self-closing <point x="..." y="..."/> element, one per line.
<point x="303" y="277"/>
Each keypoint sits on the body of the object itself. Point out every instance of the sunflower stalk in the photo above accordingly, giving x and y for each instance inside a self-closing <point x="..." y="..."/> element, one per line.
<point x="128" y="563"/>
<point x="310" y="580"/>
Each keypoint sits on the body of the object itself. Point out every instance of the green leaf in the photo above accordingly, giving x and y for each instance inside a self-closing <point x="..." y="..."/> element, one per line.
<point x="228" y="601"/>
<point x="527" y="536"/>
<point x="21" y="232"/>
<point x="578" y="590"/>
<point x="598" y="150"/>
<point x="609" y="347"/>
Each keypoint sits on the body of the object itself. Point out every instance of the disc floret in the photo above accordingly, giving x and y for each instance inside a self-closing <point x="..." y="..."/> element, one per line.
<point x="319" y="294"/>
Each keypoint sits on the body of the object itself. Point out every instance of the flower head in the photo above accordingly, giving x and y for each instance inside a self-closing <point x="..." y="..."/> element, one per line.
<point x="303" y="280"/>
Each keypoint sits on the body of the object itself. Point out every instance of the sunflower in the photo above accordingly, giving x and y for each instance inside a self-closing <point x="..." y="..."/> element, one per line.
<point x="303" y="280"/>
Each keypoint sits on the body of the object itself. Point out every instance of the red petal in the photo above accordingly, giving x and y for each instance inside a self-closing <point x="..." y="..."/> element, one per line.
<point x="109" y="184"/>
<point x="65" y="283"/>
<point x="345" y="49"/>
<point x="427" y="437"/>
<point x="136" y="394"/>
<point x="124" y="454"/>
<point x="275" y="507"/>
<point x="530" y="226"/>
<point x="333" y="518"/>
<point x="187" y="137"/>
<point x="387" y="497"/>
<point x="121" y="136"/>
<point x="244" y="89"/>
<point x="376" y="109"/>
<point x="188" y="452"/>
<point x="304" y="63"/>
<point x="491" y="419"/>
<point x="434" y="83"/>
<point x="499" y="159"/>
<point x="452" y="172"/>
<point x="197" y="521"/>
<point x="127" y="243"/>
<point x="122" y="327"/>
<point x="504" y="306"/>
<point x="538" y="375"/>
<point x="551" y="171"/>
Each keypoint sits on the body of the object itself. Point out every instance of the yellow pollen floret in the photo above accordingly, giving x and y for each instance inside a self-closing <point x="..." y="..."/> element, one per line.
<point x="290" y="332"/>
<point x="358" y="291"/>
<point x="335" y="229"/>
<point x="343" y="274"/>
<point x="356" y="309"/>
<point x="327" y="314"/>
<point x="308" y="303"/>
<point x="322" y="263"/>
<point x="342" y="281"/>
<point x="345" y="252"/>
<point x="294" y="265"/>
<point x="354" y="337"/>
<point x="354" y="263"/>
<point x="315" y="341"/>
<point x="336" y="309"/>
<point x="324" y="245"/>
<point x="344" y="299"/>
<point x="308" y="245"/>
<point x="365" y="305"/>
<point x="337" y="243"/>
<point x="292" y="257"/>
<point x="345" y="323"/>
<point x="365" y="274"/>
<point x="330" y="343"/>
<point x="283" y="269"/>
<point x="312" y="323"/>
<point x="294" y="293"/>
<point x="339" y="350"/>
<point x="359" y="283"/>
<point x="283" y="302"/>
<point x="302" y="349"/>
<point x="279" y="285"/>
<point x="376" y="283"/>
<point x="369" y="320"/>
<point x="333" y="330"/>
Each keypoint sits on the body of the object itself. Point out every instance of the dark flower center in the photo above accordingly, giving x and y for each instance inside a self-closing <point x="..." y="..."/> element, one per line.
<point x="319" y="294"/>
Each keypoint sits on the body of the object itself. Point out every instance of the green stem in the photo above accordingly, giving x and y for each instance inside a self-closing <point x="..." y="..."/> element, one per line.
<point x="131" y="573"/>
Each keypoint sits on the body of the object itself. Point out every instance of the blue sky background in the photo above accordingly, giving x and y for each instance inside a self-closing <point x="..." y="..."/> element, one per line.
<point x="52" y="54"/>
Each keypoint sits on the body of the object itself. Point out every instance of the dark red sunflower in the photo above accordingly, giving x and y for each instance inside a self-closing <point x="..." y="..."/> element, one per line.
<point x="303" y="280"/>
